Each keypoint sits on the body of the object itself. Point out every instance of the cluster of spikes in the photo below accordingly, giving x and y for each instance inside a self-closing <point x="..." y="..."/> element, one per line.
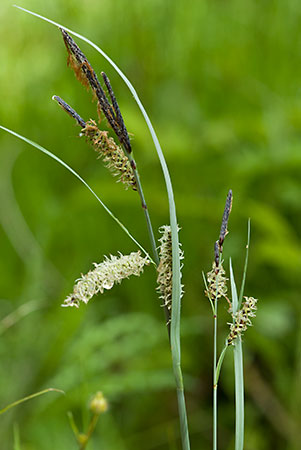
<point x="164" y="269"/>
<point x="216" y="278"/>
<point x="112" y="154"/>
<point x="115" y="156"/>
<point x="104" y="275"/>
<point x="242" y="319"/>
<point x="217" y="283"/>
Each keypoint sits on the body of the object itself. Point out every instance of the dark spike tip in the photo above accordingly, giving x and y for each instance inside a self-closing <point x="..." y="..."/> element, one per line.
<point x="216" y="253"/>
<point x="122" y="132"/>
<point x="70" y="111"/>
<point x="227" y="210"/>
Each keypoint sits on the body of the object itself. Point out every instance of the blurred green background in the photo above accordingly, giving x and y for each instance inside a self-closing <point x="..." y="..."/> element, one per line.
<point x="221" y="81"/>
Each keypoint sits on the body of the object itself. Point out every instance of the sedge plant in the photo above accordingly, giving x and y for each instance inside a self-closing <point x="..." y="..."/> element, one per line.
<point x="242" y="309"/>
<point x="115" y="150"/>
<point x="127" y="169"/>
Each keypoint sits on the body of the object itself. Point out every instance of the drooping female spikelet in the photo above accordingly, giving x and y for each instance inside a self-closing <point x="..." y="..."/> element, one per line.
<point x="242" y="319"/>
<point x="216" y="282"/>
<point x="216" y="278"/>
<point x="164" y="269"/>
<point x="111" y="153"/>
<point x="111" y="271"/>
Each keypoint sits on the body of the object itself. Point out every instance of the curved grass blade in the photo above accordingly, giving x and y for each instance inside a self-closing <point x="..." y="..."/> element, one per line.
<point x="238" y="373"/>
<point x="56" y="158"/>
<point x="29" y="397"/>
<point x="242" y="288"/>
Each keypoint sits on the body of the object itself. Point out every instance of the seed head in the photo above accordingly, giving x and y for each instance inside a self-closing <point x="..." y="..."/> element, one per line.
<point x="224" y="226"/>
<point x="242" y="319"/>
<point x="113" y="155"/>
<point x="164" y="269"/>
<point x="98" y="404"/>
<point x="216" y="282"/>
<point x="111" y="271"/>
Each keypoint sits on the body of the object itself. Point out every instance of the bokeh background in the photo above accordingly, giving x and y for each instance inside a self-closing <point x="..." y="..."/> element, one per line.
<point x="221" y="81"/>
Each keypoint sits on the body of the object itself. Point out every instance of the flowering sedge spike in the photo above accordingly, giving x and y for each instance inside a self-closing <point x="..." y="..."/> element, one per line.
<point x="164" y="269"/>
<point x="224" y="226"/>
<point x="216" y="278"/>
<point x="70" y="111"/>
<point x="242" y="319"/>
<point x="111" y="271"/>
<point x="85" y="73"/>
<point x="112" y="154"/>
<point x="216" y="282"/>
<point x="79" y="63"/>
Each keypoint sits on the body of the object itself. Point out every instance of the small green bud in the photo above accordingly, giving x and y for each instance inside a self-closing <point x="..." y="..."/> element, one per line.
<point x="98" y="404"/>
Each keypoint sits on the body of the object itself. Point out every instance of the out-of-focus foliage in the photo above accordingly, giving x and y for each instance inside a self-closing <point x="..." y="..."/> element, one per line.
<point x="221" y="81"/>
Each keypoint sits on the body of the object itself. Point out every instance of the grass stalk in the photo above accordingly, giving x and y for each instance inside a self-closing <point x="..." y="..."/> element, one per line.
<point x="145" y="208"/>
<point x="242" y="288"/>
<point x="215" y="362"/>
<point x="238" y="374"/>
<point x="214" y="376"/>
<point x="239" y="395"/>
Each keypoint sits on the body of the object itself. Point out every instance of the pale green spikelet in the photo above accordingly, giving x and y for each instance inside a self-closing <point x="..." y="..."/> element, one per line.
<point x="164" y="269"/>
<point x="216" y="282"/>
<point x="111" y="153"/>
<point x="242" y="319"/>
<point x="111" y="271"/>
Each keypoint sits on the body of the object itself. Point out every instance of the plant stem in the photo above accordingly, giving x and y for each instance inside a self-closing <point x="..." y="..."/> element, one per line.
<point x="144" y="207"/>
<point x="214" y="375"/>
<point x="219" y="363"/>
<point x="238" y="372"/>
<point x="239" y="395"/>
<point x="90" y="431"/>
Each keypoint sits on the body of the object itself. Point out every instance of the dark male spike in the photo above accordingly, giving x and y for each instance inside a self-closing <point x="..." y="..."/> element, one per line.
<point x="226" y="214"/>
<point x="69" y="110"/>
<point x="216" y="253"/>
<point x="72" y="47"/>
<point x="124" y="137"/>
<point x="86" y="74"/>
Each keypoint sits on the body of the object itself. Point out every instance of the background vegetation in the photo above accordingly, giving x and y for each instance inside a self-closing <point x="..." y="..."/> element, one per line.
<point x="221" y="81"/>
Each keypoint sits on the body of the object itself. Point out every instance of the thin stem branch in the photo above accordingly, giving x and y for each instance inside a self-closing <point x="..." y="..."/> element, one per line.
<point x="238" y="374"/>
<point x="144" y="207"/>
<point x="214" y="375"/>
<point x="239" y="395"/>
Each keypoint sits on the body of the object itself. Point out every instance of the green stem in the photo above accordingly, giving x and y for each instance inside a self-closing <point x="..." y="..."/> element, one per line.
<point x="238" y="373"/>
<point x="90" y="431"/>
<point x="219" y="364"/>
<point x="181" y="406"/>
<point x="239" y="395"/>
<point x="144" y="207"/>
<point x="214" y="376"/>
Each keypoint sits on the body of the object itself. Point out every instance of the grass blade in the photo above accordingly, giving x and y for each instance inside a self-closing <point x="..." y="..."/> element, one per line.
<point x="29" y="397"/>
<point x="57" y="159"/>
<point x="239" y="375"/>
<point x="242" y="288"/>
